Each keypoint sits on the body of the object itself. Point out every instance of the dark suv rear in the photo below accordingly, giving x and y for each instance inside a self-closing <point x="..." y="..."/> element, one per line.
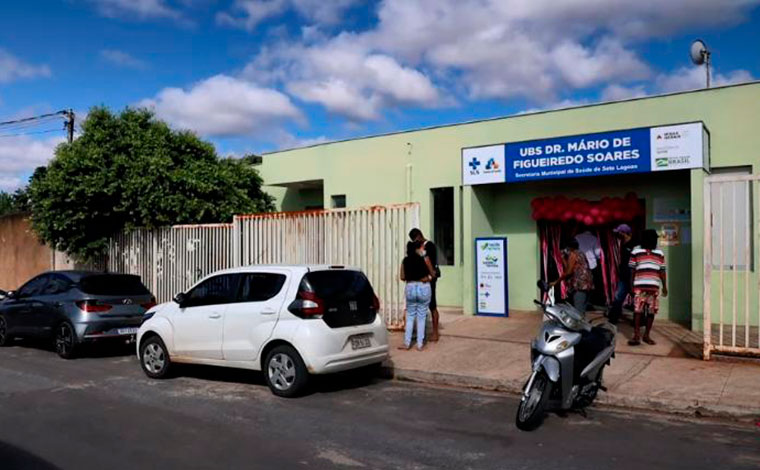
<point x="73" y="307"/>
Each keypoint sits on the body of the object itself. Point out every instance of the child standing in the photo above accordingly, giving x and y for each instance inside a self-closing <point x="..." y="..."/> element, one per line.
<point x="648" y="273"/>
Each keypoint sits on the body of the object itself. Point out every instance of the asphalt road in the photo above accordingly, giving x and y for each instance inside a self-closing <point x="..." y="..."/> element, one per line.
<point x="102" y="412"/>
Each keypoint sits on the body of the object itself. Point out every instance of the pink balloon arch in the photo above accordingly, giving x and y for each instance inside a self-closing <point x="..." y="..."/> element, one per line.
<point x="591" y="213"/>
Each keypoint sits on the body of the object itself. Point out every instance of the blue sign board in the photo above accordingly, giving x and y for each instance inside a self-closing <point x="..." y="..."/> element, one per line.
<point x="606" y="153"/>
<point x="642" y="150"/>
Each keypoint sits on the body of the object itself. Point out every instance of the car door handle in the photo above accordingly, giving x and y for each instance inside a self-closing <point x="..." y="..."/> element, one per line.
<point x="268" y="311"/>
<point x="58" y="304"/>
<point x="215" y="315"/>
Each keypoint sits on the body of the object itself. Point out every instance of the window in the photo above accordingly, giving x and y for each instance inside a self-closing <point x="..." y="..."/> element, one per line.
<point x="259" y="287"/>
<point x="215" y="291"/>
<point x="56" y="285"/>
<point x="338" y="201"/>
<point x="33" y="287"/>
<point x="113" y="284"/>
<point x="731" y="205"/>
<point x="443" y="224"/>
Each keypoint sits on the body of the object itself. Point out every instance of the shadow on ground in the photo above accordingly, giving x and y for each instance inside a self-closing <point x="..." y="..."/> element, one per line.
<point x="14" y="458"/>
<point x="99" y="349"/>
<point x="329" y="383"/>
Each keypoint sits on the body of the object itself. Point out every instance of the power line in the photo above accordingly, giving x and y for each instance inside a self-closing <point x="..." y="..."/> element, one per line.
<point x="30" y="133"/>
<point x="29" y="124"/>
<point x="34" y="118"/>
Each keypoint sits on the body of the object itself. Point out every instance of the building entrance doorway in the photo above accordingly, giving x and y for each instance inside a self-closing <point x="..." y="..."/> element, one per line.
<point x="591" y="223"/>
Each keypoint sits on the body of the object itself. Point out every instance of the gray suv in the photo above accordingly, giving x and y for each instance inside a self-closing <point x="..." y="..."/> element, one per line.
<point x="74" y="307"/>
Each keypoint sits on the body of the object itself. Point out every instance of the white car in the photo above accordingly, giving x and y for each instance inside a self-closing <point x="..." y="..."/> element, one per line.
<point x="289" y="321"/>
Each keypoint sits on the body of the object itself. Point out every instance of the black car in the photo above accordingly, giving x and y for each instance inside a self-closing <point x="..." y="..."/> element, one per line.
<point x="74" y="307"/>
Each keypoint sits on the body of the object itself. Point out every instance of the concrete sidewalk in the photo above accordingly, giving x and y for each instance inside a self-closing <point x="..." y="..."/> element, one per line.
<point x="494" y="354"/>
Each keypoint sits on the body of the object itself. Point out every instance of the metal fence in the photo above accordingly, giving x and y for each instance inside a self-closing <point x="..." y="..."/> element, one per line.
<point x="731" y="254"/>
<point x="171" y="259"/>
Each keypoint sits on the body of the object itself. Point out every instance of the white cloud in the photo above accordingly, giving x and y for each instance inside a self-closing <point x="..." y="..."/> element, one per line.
<point x="224" y="106"/>
<point x="343" y="77"/>
<point x="692" y="78"/>
<point x="10" y="183"/>
<point x="141" y="9"/>
<point x="20" y="155"/>
<point x="122" y="59"/>
<point x="420" y="51"/>
<point x="13" y="68"/>
<point x="248" y="14"/>
<point x="616" y="92"/>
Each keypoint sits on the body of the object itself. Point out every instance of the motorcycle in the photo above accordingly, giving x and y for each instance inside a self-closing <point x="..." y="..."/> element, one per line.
<point x="568" y="356"/>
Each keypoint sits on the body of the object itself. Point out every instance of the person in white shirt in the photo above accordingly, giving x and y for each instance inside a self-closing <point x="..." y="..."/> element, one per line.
<point x="589" y="244"/>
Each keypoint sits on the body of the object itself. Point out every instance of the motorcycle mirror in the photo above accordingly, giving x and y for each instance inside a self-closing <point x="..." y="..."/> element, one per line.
<point x="543" y="286"/>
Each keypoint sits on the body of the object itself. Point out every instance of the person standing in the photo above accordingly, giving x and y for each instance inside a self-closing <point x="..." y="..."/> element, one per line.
<point x="417" y="271"/>
<point x="624" y="233"/>
<point x="577" y="275"/>
<point x="431" y="251"/>
<point x="648" y="272"/>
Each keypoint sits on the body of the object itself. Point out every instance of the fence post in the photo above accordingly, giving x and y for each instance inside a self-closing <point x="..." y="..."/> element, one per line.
<point x="707" y="286"/>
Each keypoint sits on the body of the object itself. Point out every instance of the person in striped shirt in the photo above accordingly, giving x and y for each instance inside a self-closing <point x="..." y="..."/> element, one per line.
<point x="648" y="274"/>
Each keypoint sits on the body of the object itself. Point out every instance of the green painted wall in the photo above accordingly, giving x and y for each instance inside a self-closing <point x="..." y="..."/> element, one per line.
<point x="403" y="167"/>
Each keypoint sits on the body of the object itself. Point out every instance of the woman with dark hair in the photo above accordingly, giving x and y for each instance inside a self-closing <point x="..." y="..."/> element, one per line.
<point x="577" y="274"/>
<point x="417" y="271"/>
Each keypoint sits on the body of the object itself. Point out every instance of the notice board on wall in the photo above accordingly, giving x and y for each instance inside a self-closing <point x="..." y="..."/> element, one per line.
<point x="491" y="285"/>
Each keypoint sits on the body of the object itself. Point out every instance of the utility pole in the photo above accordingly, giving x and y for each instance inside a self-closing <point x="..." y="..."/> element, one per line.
<point x="69" y="125"/>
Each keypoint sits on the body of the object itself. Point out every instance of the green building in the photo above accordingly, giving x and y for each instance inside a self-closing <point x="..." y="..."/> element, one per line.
<point x="431" y="166"/>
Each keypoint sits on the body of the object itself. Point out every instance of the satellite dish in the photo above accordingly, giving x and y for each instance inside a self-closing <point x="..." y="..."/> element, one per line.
<point x="698" y="52"/>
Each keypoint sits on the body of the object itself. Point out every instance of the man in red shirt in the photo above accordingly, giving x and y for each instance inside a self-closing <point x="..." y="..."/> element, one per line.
<point x="648" y="273"/>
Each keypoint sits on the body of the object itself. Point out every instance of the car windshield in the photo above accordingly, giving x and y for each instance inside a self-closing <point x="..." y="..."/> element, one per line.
<point x="113" y="284"/>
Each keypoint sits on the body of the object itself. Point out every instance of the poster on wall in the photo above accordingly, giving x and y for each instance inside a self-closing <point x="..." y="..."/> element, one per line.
<point x="491" y="276"/>
<point x="671" y="210"/>
<point x="670" y="235"/>
<point x="642" y="150"/>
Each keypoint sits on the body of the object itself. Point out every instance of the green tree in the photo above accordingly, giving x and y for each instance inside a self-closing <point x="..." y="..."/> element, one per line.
<point x="7" y="204"/>
<point x="131" y="170"/>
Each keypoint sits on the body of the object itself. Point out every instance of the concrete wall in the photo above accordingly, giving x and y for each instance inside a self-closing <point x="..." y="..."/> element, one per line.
<point x="21" y="254"/>
<point x="403" y="167"/>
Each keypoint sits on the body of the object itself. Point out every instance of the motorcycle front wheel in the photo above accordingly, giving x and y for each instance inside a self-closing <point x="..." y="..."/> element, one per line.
<point x="530" y="412"/>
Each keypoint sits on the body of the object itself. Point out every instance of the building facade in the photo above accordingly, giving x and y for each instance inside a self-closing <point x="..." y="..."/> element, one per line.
<point x="444" y="169"/>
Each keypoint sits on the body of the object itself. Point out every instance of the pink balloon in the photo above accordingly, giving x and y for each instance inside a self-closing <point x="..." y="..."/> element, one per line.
<point x="578" y="216"/>
<point x="588" y="220"/>
<point x="567" y="215"/>
<point x="617" y="215"/>
<point x="594" y="211"/>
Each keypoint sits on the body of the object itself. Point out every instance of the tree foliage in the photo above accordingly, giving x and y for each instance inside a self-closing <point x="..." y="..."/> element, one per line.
<point x="131" y="170"/>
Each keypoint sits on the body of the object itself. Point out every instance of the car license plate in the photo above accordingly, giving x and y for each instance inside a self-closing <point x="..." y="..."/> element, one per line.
<point x="360" y="342"/>
<point x="127" y="331"/>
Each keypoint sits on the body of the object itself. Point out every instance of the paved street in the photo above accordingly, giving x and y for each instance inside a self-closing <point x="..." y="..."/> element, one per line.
<point x="102" y="412"/>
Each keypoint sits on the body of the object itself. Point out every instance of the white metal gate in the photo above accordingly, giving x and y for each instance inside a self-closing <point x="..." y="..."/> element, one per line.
<point x="731" y="256"/>
<point x="171" y="259"/>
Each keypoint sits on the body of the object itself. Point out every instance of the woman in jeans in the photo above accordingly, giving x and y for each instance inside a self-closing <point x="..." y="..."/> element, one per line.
<point x="417" y="272"/>
<point x="577" y="274"/>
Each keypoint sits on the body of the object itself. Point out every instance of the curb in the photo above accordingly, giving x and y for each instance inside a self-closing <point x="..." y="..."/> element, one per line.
<point x="604" y="400"/>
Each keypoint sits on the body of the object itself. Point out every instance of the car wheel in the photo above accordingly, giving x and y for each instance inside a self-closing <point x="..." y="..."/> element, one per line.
<point x="65" y="341"/>
<point x="5" y="340"/>
<point x="154" y="358"/>
<point x="285" y="372"/>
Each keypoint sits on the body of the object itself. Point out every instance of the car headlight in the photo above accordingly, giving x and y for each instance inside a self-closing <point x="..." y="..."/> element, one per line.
<point x="562" y="346"/>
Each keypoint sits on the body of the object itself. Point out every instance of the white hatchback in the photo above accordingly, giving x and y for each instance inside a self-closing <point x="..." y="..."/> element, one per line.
<point x="288" y="321"/>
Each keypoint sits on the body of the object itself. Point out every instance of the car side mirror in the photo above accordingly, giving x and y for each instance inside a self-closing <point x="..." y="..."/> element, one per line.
<point x="180" y="299"/>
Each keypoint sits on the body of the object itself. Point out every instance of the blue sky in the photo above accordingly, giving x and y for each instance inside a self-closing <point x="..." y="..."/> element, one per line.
<point x="258" y="75"/>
